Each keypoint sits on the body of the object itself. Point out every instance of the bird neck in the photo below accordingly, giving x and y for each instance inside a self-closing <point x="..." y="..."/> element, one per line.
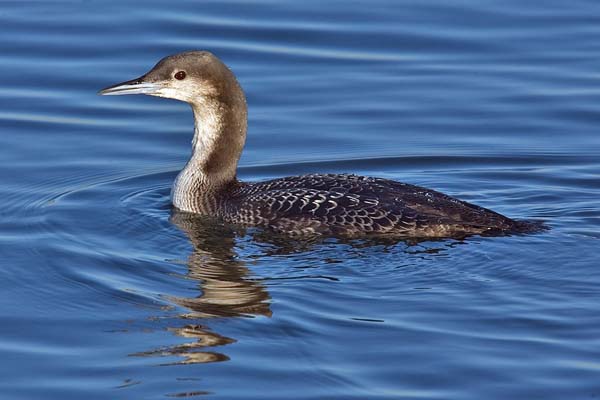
<point x="219" y="138"/>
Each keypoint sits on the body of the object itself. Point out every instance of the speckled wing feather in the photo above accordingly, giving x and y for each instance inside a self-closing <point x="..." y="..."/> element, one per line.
<point x="351" y="204"/>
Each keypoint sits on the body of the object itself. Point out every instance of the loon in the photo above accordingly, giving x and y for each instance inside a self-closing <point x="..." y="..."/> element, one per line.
<point x="327" y="204"/>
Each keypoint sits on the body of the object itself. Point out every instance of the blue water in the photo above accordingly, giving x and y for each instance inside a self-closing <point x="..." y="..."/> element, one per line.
<point x="107" y="294"/>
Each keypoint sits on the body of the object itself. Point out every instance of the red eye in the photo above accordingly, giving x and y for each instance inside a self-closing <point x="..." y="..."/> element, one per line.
<point x="180" y="75"/>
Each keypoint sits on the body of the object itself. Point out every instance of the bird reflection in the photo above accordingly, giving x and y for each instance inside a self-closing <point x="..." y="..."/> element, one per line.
<point x="226" y="290"/>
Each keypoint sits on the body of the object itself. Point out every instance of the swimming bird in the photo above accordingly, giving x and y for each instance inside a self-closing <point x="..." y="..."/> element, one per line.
<point x="328" y="204"/>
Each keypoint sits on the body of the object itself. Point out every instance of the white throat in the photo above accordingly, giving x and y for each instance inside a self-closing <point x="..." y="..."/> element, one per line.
<point x="216" y="148"/>
<point x="208" y="125"/>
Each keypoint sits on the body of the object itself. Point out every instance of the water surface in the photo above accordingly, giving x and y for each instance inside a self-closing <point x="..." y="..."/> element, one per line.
<point x="107" y="293"/>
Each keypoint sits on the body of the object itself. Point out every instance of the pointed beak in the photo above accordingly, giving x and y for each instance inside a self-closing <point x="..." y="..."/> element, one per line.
<point x="134" y="86"/>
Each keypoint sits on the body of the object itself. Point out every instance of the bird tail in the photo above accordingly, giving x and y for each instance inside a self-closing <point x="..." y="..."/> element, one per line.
<point x="528" y="226"/>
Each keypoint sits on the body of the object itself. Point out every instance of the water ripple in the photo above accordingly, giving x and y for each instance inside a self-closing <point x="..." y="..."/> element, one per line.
<point x="109" y="293"/>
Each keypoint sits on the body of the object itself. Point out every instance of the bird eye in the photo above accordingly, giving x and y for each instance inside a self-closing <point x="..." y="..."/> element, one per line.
<point x="180" y="75"/>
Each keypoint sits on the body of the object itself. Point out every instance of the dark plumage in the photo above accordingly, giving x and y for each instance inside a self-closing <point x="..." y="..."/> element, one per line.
<point x="328" y="204"/>
<point x="351" y="205"/>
